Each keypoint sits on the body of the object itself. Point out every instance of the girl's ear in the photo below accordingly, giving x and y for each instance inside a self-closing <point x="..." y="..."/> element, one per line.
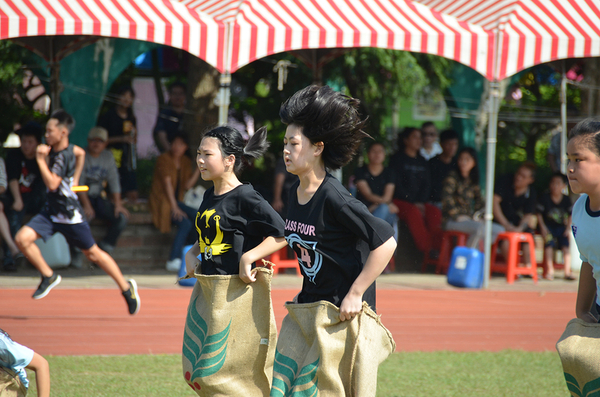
<point x="319" y="147"/>
<point x="229" y="160"/>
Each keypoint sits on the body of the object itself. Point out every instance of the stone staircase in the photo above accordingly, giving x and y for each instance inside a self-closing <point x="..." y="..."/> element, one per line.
<point x="141" y="246"/>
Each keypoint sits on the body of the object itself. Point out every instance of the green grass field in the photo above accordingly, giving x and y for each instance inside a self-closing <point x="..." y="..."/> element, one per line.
<point x="508" y="373"/>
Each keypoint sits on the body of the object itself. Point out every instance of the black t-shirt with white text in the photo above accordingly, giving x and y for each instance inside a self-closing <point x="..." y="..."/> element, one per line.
<point x="332" y="235"/>
<point x="25" y="171"/>
<point x="233" y="223"/>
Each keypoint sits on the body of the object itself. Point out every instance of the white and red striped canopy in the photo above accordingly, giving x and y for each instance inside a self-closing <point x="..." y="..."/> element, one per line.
<point x="259" y="28"/>
<point x="158" y="21"/>
<point x="531" y="32"/>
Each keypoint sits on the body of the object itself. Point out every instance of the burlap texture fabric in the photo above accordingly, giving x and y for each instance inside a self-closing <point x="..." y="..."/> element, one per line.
<point x="230" y="336"/>
<point x="10" y="384"/>
<point x="319" y="355"/>
<point x="579" y="351"/>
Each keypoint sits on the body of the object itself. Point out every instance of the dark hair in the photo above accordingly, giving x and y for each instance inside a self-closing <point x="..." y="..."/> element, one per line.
<point x="448" y="134"/>
<point x="530" y="166"/>
<point x="374" y="143"/>
<point x="404" y="134"/>
<point x="474" y="174"/>
<point x="560" y="175"/>
<point x="5" y="333"/>
<point x="180" y="135"/>
<point x="427" y="124"/>
<point x="588" y="129"/>
<point x="326" y="116"/>
<point x="232" y="142"/>
<point x="178" y="84"/>
<point x="64" y="119"/>
<point x="31" y="129"/>
<point x="123" y="89"/>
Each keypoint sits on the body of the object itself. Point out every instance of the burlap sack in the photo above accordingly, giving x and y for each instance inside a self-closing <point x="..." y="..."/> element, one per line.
<point x="230" y="336"/>
<point x="10" y="384"/>
<point x="579" y="351"/>
<point x="317" y="354"/>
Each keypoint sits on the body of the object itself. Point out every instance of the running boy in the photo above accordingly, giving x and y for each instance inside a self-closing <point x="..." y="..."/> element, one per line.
<point x="60" y="165"/>
<point x="14" y="358"/>
<point x="583" y="171"/>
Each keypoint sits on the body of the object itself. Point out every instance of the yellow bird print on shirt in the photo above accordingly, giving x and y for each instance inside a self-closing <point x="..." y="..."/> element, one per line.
<point x="216" y="247"/>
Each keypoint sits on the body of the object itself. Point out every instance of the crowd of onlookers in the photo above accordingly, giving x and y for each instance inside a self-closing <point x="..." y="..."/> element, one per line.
<point x="428" y="184"/>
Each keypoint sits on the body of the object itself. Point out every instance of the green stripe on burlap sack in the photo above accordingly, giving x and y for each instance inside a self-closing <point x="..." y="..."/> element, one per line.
<point x="579" y="351"/>
<point x="320" y="355"/>
<point x="10" y="384"/>
<point x="230" y="336"/>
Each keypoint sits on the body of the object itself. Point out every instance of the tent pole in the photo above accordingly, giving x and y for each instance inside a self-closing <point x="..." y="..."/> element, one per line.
<point x="224" y="95"/>
<point x="563" y="120"/>
<point x="489" y="180"/>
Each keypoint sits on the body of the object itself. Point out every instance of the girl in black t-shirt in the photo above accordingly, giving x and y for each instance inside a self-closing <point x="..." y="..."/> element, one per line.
<point x="236" y="225"/>
<point x="341" y="246"/>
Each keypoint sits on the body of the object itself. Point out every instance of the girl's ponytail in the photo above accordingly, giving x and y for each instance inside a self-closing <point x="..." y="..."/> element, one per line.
<point x="257" y="144"/>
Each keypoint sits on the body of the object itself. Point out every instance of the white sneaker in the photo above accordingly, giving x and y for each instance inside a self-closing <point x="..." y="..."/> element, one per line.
<point x="174" y="265"/>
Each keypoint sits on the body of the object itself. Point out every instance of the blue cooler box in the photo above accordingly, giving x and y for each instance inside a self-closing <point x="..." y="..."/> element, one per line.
<point x="466" y="268"/>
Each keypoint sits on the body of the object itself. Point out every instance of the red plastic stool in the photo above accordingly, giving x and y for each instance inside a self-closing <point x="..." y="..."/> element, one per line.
<point x="511" y="266"/>
<point x="281" y="264"/>
<point x="450" y="239"/>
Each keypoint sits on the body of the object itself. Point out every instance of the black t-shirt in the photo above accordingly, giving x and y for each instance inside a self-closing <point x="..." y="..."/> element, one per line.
<point x="332" y="236"/>
<point x="514" y="207"/>
<point x="169" y="121"/>
<point x="554" y="214"/>
<point x="376" y="183"/>
<point x="231" y="224"/>
<point x="413" y="181"/>
<point x="62" y="204"/>
<point x="115" y="125"/>
<point x="25" y="171"/>
<point x="439" y="171"/>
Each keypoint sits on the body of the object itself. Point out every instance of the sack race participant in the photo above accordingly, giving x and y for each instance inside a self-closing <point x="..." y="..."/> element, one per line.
<point x="305" y="361"/>
<point x="230" y="330"/>
<point x="578" y="349"/>
<point x="341" y="248"/>
<point x="579" y="346"/>
<point x="230" y="336"/>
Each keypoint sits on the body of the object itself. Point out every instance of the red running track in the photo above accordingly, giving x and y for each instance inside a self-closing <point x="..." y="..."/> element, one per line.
<point x="95" y="321"/>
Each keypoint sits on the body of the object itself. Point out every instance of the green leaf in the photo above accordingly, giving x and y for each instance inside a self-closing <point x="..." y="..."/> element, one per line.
<point x="197" y="353"/>
<point x="285" y="382"/>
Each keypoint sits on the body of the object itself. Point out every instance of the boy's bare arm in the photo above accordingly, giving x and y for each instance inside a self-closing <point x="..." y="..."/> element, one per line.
<point x="51" y="180"/>
<point x="79" y="163"/>
<point x="42" y="374"/>
<point x="586" y="294"/>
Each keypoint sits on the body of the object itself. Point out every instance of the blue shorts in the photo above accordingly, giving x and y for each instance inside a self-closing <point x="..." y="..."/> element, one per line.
<point x="78" y="234"/>
<point x="556" y="238"/>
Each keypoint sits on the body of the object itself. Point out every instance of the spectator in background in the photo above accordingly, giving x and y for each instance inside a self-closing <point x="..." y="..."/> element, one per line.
<point x="174" y="174"/>
<point x="375" y="185"/>
<point x="442" y="164"/>
<point x="281" y="187"/>
<point x="412" y="191"/>
<point x="100" y="171"/>
<point x="553" y="154"/>
<point x="430" y="147"/>
<point x="26" y="192"/>
<point x="16" y="257"/>
<point x="461" y="199"/>
<point x="554" y="219"/>
<point x="515" y="203"/>
<point x="120" y="123"/>
<point x="170" y="119"/>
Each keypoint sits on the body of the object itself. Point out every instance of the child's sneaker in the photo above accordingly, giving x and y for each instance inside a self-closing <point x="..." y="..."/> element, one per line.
<point x="46" y="285"/>
<point x="132" y="298"/>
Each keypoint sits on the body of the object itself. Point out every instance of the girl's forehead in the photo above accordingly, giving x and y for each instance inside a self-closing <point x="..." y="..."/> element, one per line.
<point x="293" y="131"/>
<point x="209" y="142"/>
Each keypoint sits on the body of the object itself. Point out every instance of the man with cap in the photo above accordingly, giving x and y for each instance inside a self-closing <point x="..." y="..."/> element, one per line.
<point x="100" y="171"/>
